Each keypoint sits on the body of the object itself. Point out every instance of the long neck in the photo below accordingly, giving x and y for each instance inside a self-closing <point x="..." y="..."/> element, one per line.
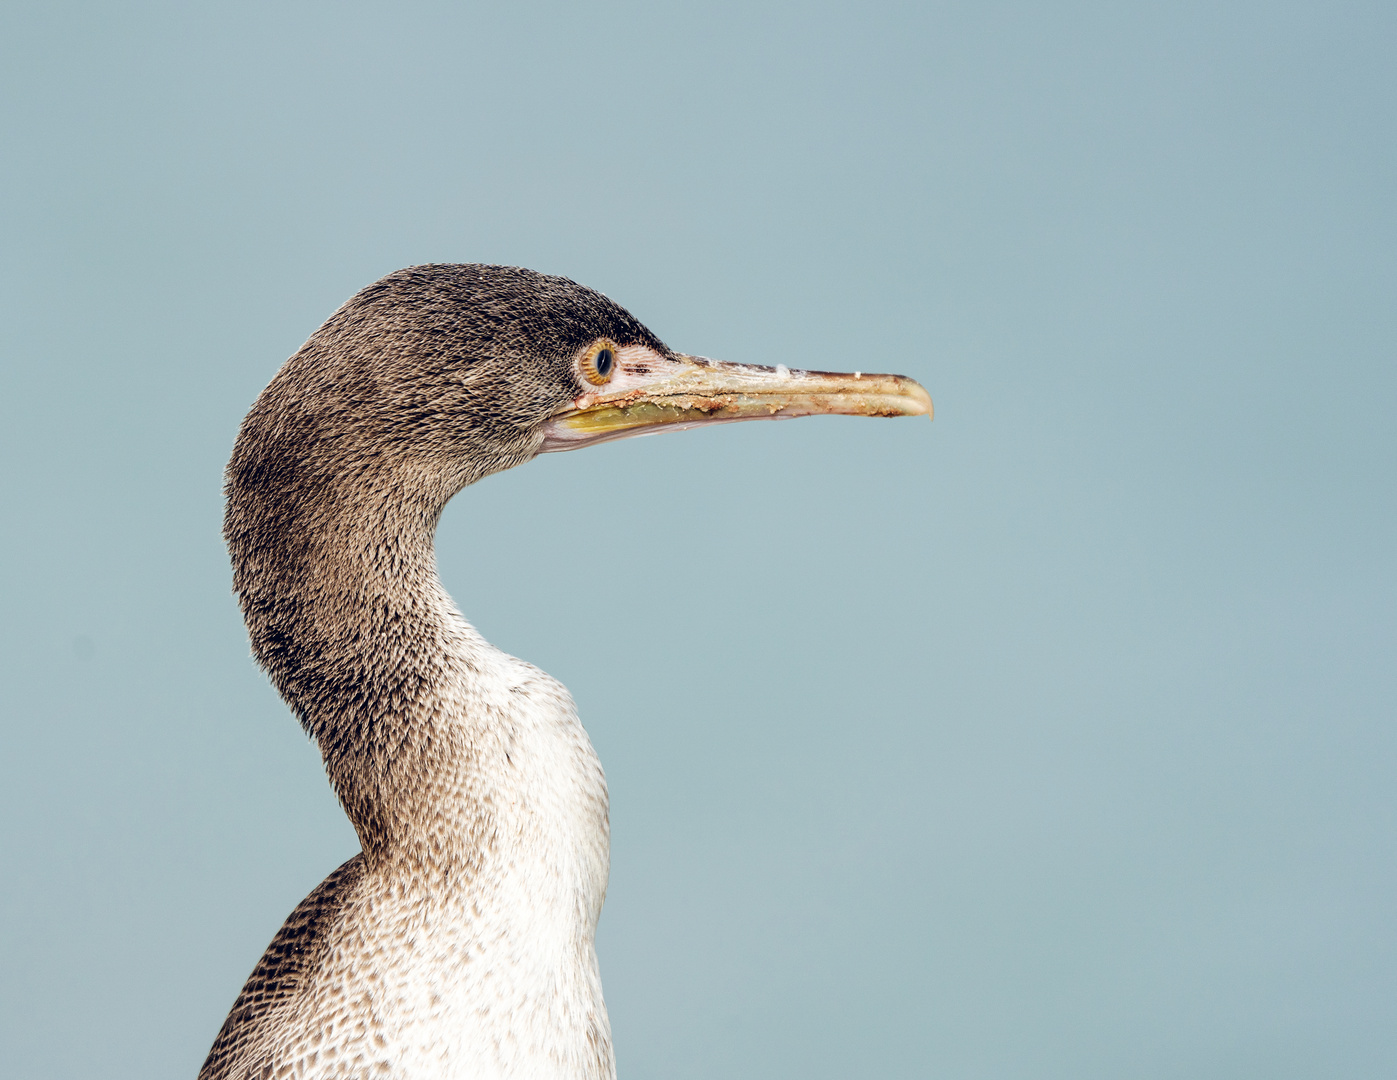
<point x="346" y="613"/>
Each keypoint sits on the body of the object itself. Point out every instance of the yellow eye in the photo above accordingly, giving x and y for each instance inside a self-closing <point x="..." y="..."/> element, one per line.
<point x="599" y="362"/>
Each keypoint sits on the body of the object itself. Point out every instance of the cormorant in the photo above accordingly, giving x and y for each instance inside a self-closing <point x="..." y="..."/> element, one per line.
<point x="459" y="942"/>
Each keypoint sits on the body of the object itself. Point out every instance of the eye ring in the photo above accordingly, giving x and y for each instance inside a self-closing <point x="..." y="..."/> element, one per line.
<point x="599" y="362"/>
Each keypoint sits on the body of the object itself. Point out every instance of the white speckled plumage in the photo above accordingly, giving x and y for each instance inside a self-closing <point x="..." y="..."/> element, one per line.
<point x="497" y="976"/>
<point x="469" y="951"/>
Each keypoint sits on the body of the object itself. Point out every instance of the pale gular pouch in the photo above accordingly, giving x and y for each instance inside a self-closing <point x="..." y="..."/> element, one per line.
<point x="635" y="390"/>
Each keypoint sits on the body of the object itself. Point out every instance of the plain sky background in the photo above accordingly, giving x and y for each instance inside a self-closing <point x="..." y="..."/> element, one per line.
<point x="1054" y="739"/>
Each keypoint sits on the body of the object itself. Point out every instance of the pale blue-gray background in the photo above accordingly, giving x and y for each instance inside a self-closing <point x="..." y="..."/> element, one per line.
<point x="1053" y="739"/>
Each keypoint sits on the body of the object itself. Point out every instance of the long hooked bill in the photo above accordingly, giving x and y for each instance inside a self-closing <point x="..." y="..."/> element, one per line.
<point x="651" y="393"/>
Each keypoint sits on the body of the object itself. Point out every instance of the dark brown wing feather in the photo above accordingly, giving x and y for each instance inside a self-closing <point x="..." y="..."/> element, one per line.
<point x="293" y="955"/>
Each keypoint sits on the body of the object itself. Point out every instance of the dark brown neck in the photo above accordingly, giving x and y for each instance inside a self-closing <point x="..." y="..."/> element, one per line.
<point x="340" y="594"/>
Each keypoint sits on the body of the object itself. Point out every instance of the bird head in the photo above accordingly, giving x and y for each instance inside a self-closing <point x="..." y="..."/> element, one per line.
<point x="438" y="375"/>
